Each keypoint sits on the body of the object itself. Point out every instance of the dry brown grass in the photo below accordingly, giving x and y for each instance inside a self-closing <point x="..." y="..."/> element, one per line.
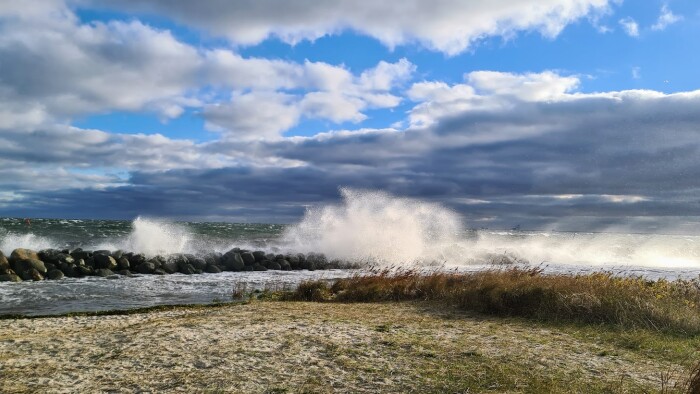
<point x="629" y="302"/>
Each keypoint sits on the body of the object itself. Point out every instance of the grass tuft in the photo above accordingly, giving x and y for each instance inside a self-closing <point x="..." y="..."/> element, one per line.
<point x="629" y="302"/>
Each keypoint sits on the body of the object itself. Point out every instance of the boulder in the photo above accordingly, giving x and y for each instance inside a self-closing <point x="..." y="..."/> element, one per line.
<point x="103" y="272"/>
<point x="159" y="271"/>
<point x="269" y="256"/>
<point x="173" y="263"/>
<point x="136" y="259"/>
<point x="259" y="267"/>
<point x="293" y="261"/>
<point x="68" y="269"/>
<point x="125" y="273"/>
<point x="10" y="278"/>
<point x="199" y="264"/>
<point x="187" y="269"/>
<point x="4" y="263"/>
<point x="49" y="266"/>
<point x="84" y="270"/>
<point x="212" y="258"/>
<point x="259" y="255"/>
<point x="31" y="274"/>
<point x="118" y="254"/>
<point x="190" y="257"/>
<point x="23" y="254"/>
<point x="319" y="260"/>
<point x="104" y="261"/>
<point x="248" y="268"/>
<point x="212" y="269"/>
<point x="78" y="254"/>
<point x="248" y="258"/>
<point x="52" y="256"/>
<point x="273" y="265"/>
<point x="123" y="263"/>
<point x="55" y="274"/>
<point x="284" y="264"/>
<point x="146" y="268"/>
<point x="23" y="265"/>
<point x="232" y="261"/>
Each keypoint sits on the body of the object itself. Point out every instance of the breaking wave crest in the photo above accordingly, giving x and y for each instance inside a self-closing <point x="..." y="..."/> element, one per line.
<point x="375" y="226"/>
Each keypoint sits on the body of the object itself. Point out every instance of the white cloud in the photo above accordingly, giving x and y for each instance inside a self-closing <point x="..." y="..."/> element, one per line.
<point x="486" y="90"/>
<point x="54" y="68"/>
<point x="256" y="115"/>
<point x="666" y="18"/>
<point x="449" y="26"/>
<point x="630" y="26"/>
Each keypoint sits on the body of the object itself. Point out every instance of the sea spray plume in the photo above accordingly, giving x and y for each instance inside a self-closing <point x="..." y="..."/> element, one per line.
<point x="152" y="237"/>
<point x="11" y="241"/>
<point x="374" y="226"/>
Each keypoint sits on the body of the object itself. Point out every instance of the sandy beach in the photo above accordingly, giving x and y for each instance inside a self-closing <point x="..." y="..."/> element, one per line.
<point x="278" y="347"/>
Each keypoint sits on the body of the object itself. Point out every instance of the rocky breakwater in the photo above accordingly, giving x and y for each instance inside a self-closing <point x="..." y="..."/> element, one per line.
<point x="25" y="264"/>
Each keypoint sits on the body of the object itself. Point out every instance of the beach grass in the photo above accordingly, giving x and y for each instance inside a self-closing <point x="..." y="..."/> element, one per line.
<point x="597" y="298"/>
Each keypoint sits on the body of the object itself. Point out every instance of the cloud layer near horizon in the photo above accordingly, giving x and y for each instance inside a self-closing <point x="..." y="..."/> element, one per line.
<point x="502" y="148"/>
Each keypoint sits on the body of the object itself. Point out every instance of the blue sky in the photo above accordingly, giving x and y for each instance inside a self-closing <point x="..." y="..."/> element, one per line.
<point x="568" y="114"/>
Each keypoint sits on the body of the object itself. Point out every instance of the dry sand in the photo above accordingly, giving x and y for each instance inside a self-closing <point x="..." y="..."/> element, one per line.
<point x="297" y="347"/>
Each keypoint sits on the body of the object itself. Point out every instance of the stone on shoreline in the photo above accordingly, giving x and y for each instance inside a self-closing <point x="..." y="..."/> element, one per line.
<point x="232" y="261"/>
<point x="103" y="272"/>
<point x="104" y="261"/>
<point x="10" y="278"/>
<point x="55" y="274"/>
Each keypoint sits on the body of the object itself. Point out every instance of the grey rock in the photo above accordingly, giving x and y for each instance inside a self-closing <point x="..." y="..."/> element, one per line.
<point x="146" y="268"/>
<point x="20" y="266"/>
<point x="103" y="272"/>
<point x="84" y="270"/>
<point x="248" y="258"/>
<point x="68" y="269"/>
<point x="137" y="259"/>
<point x="232" y="261"/>
<point x="213" y="258"/>
<point x="10" y="278"/>
<point x="199" y="263"/>
<point x="212" y="269"/>
<point x="123" y="263"/>
<point x="104" y="261"/>
<point x="259" y="267"/>
<point x="118" y="254"/>
<point x="4" y="263"/>
<point x="159" y="271"/>
<point x="259" y="255"/>
<point x="23" y="254"/>
<point x="284" y="264"/>
<point x="187" y="269"/>
<point x="31" y="274"/>
<point x="78" y="254"/>
<point x="273" y="265"/>
<point x="55" y="274"/>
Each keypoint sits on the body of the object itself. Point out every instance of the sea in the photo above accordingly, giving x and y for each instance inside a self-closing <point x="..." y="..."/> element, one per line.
<point x="373" y="229"/>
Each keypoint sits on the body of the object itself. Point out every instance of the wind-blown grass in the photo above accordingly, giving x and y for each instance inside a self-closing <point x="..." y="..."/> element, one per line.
<point x="598" y="298"/>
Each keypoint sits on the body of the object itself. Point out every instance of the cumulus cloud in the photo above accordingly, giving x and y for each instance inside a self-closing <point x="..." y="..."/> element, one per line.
<point x="449" y="26"/>
<point x="55" y="67"/>
<point x="666" y="18"/>
<point x="274" y="106"/>
<point x="486" y="90"/>
<point x="630" y="26"/>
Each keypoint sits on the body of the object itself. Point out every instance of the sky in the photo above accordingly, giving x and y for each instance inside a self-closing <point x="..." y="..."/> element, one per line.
<point x="548" y="114"/>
